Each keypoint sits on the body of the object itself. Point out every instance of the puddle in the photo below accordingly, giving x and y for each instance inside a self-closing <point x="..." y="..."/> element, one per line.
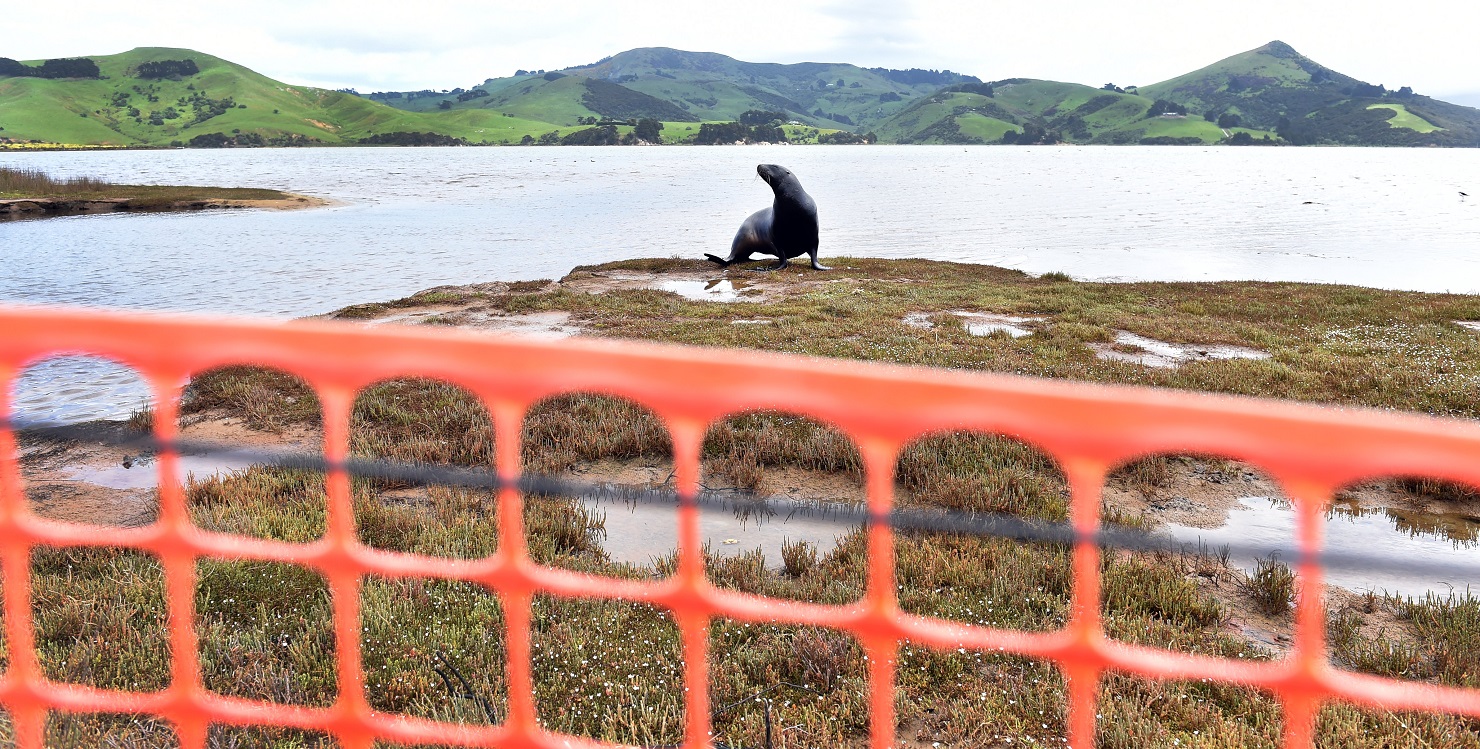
<point x="1261" y="525"/>
<point x="713" y="290"/>
<point x="750" y="322"/>
<point x="143" y="472"/>
<point x="986" y="323"/>
<point x="1153" y="353"/>
<point x="918" y="320"/>
<point x="1471" y="324"/>
<point x="977" y="323"/>
<point x="638" y="533"/>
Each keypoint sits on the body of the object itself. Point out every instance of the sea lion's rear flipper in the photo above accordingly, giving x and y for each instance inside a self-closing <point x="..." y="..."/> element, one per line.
<point x="816" y="265"/>
<point x="717" y="259"/>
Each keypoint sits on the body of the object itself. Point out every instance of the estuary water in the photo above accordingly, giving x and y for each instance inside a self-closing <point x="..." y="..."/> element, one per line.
<point x="411" y="218"/>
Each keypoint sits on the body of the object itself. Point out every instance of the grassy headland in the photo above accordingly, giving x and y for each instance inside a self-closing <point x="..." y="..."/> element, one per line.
<point x="28" y="192"/>
<point x="610" y="670"/>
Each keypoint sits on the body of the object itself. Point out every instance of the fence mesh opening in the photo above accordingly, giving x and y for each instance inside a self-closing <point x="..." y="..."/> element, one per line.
<point x="508" y="663"/>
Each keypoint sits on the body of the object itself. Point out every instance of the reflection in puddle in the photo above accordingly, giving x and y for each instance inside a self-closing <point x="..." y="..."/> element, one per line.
<point x="713" y="290"/>
<point x="639" y="533"/>
<point x="1262" y="525"/>
<point x="143" y="472"/>
<point x="983" y="323"/>
<point x="1129" y="347"/>
<point x="978" y="323"/>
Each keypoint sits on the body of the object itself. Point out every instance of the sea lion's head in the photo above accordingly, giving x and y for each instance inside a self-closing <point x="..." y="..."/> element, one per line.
<point x="773" y="173"/>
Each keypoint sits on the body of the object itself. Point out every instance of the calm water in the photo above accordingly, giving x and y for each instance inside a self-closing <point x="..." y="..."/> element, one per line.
<point x="1263" y="526"/>
<point x="415" y="218"/>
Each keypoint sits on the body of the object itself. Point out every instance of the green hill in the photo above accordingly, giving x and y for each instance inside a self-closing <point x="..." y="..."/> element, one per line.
<point x="1272" y="91"/>
<point x="221" y="99"/>
<point x="674" y="85"/>
<point x="1276" y="88"/>
<point x="161" y="96"/>
<point x="1023" y="110"/>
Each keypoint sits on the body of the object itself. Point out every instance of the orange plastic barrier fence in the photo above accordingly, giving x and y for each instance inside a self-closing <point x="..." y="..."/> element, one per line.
<point x="1089" y="429"/>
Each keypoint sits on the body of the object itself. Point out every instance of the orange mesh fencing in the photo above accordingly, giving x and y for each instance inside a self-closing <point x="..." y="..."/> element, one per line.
<point x="1310" y="451"/>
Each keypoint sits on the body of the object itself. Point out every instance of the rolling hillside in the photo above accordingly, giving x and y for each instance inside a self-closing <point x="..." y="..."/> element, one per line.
<point x="1276" y="88"/>
<point x="1272" y="92"/>
<point x="163" y="97"/>
<point x="674" y="85"/>
<point x="1027" y="111"/>
<point x="221" y="100"/>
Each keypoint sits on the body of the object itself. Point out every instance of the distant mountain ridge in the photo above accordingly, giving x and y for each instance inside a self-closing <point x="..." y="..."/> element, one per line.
<point x="703" y="86"/>
<point x="1272" y="94"/>
<point x="1269" y="95"/>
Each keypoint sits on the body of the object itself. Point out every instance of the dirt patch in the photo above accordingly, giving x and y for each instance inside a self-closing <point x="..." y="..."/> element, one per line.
<point x="547" y="325"/>
<point x="1197" y="492"/>
<point x="77" y="480"/>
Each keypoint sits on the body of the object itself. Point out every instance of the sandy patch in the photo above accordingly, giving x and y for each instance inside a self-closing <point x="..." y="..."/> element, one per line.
<point x="1196" y="492"/>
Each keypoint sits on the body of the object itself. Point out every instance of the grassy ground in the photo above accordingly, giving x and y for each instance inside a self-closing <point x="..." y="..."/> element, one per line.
<point x="610" y="670"/>
<point x="1404" y="118"/>
<point x="32" y="184"/>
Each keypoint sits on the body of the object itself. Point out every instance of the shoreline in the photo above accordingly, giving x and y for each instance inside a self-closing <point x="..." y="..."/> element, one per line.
<point x="48" y="207"/>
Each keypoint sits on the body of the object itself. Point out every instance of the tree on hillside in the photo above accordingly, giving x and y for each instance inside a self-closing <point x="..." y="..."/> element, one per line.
<point x="1229" y="119"/>
<point x="1297" y="132"/>
<point x="602" y="135"/>
<point x="761" y="117"/>
<point x="648" y="129"/>
<point x="174" y="70"/>
<point x="1032" y="135"/>
<point x="77" y="67"/>
<point x="1162" y="106"/>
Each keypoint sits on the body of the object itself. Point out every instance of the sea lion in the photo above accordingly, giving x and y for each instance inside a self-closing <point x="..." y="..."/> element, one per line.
<point x="787" y="229"/>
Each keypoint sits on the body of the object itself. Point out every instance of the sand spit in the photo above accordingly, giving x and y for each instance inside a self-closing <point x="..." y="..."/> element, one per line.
<point x="45" y="207"/>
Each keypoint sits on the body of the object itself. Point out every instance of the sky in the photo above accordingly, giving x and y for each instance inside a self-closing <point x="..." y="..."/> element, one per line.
<point x="372" y="45"/>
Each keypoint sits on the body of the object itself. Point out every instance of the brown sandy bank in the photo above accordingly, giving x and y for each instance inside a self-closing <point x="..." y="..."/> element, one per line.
<point x="19" y="208"/>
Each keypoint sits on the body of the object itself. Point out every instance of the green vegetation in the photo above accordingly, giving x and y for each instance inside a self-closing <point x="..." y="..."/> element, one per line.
<point x="162" y="97"/>
<point x="1404" y="118"/>
<point x="609" y="670"/>
<point x="28" y="184"/>
<point x="229" y="104"/>
<point x="1275" y="88"/>
<point x="1271" y="91"/>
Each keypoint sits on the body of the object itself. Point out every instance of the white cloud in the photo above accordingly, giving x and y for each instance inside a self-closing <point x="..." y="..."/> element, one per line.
<point x="446" y="43"/>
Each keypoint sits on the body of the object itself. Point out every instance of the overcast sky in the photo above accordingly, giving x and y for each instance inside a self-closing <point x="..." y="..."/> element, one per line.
<point x="372" y="45"/>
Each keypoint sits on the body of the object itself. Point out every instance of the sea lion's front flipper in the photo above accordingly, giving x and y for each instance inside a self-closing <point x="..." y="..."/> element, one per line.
<point x="717" y="259"/>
